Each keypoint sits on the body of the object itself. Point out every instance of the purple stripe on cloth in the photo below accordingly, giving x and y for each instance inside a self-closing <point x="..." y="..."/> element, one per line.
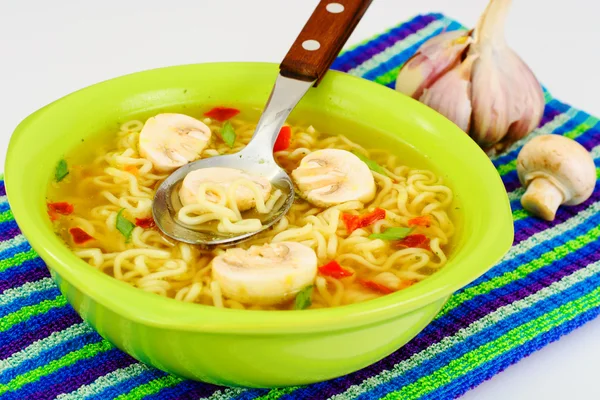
<point x="9" y="234"/>
<point x="100" y="365"/>
<point x="365" y="52"/>
<point x="461" y="318"/>
<point x="564" y="213"/>
<point x="32" y="275"/>
<point x="35" y="332"/>
<point x="186" y="390"/>
<point x="2" y="189"/>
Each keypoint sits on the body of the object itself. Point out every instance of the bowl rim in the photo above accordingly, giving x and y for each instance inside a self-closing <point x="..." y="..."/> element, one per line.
<point x="168" y="313"/>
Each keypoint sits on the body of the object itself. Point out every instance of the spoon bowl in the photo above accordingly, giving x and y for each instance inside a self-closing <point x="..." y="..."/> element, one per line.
<point x="255" y="159"/>
<point x="303" y="67"/>
<point x="166" y="202"/>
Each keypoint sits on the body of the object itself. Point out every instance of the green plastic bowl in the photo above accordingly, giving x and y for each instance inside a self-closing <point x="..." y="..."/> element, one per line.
<point x="259" y="348"/>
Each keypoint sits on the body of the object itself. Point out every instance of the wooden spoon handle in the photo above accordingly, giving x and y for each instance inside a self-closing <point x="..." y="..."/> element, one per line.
<point x="322" y="38"/>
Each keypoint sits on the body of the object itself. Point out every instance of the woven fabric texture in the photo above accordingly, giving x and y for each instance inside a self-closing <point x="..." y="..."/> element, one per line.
<point x="547" y="285"/>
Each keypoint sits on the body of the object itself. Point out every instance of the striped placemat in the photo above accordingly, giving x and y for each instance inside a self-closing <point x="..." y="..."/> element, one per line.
<point x="547" y="285"/>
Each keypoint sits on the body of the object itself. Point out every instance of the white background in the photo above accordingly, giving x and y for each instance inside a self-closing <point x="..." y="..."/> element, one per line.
<point x="50" y="48"/>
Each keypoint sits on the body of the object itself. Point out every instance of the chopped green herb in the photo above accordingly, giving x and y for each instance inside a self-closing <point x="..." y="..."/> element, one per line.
<point x="303" y="299"/>
<point x="395" y="233"/>
<point x="124" y="225"/>
<point x="373" y="166"/>
<point x="61" y="170"/>
<point x="228" y="134"/>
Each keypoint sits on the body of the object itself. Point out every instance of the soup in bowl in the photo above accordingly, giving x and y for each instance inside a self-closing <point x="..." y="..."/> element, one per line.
<point x="395" y="209"/>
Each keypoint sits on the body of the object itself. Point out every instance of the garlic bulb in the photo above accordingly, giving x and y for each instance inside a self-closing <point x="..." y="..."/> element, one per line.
<point x="434" y="58"/>
<point x="477" y="81"/>
<point x="450" y="95"/>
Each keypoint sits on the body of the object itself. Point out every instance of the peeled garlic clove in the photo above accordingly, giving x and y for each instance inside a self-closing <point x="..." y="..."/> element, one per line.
<point x="555" y="170"/>
<point x="435" y="57"/>
<point x="451" y="94"/>
<point x="507" y="99"/>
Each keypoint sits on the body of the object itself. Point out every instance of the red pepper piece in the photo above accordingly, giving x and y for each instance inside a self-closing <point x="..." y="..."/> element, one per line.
<point x="80" y="236"/>
<point x="63" y="208"/>
<point x="145" y="223"/>
<point x="354" y="222"/>
<point x="334" y="270"/>
<point x="283" y="139"/>
<point x="414" y="241"/>
<point x="351" y="221"/>
<point x="420" y="221"/>
<point x="376" y="286"/>
<point x="222" y="113"/>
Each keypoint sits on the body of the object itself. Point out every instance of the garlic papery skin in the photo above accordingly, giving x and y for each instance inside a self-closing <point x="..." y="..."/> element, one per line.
<point x="508" y="102"/>
<point x="506" y="99"/>
<point x="435" y="57"/>
<point x="450" y="95"/>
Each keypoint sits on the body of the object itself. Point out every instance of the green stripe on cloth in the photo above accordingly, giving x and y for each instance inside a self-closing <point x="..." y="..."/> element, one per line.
<point x="275" y="394"/>
<point x="151" y="387"/>
<point x="573" y="134"/>
<point x="17" y="260"/>
<point x="522" y="271"/>
<point x="547" y="128"/>
<point x="476" y="327"/>
<point x="516" y="337"/>
<point x="26" y="290"/>
<point x="102" y="383"/>
<point x="34" y="350"/>
<point x="6" y="216"/>
<point x="17" y="240"/>
<point x="398" y="47"/>
<point x="88" y="351"/>
<point x="27" y="312"/>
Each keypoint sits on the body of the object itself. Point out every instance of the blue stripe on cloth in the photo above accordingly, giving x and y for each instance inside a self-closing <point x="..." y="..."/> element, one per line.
<point x="53" y="353"/>
<point x="4" y="207"/>
<point x="572" y="260"/>
<point x="553" y="105"/>
<point x="529" y="221"/>
<point x="536" y="251"/>
<point x="34" y="325"/>
<point x="72" y="371"/>
<point x="8" y="225"/>
<point x="487" y="335"/>
<point x="401" y="57"/>
<point x="357" y="52"/>
<point x="12" y="251"/>
<point x="567" y="126"/>
<point x="187" y="389"/>
<point x="30" y="300"/>
<point x="27" y="267"/>
<point x="127" y="385"/>
<point x="499" y="270"/>
<point x="459" y="386"/>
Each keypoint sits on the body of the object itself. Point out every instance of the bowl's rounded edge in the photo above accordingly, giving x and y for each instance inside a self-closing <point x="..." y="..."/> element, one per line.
<point x="152" y="309"/>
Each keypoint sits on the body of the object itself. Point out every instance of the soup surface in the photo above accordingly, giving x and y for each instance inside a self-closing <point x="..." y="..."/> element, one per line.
<point x="350" y="235"/>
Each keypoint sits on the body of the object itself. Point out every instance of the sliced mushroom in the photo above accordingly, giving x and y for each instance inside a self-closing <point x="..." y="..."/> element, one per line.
<point x="172" y="140"/>
<point x="265" y="275"/>
<point x="224" y="177"/>
<point x="330" y="176"/>
<point x="555" y="170"/>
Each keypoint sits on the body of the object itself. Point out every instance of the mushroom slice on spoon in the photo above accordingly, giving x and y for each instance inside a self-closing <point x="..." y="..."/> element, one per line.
<point x="245" y="197"/>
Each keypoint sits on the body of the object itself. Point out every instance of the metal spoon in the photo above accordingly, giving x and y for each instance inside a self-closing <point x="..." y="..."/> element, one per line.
<point x="305" y="64"/>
